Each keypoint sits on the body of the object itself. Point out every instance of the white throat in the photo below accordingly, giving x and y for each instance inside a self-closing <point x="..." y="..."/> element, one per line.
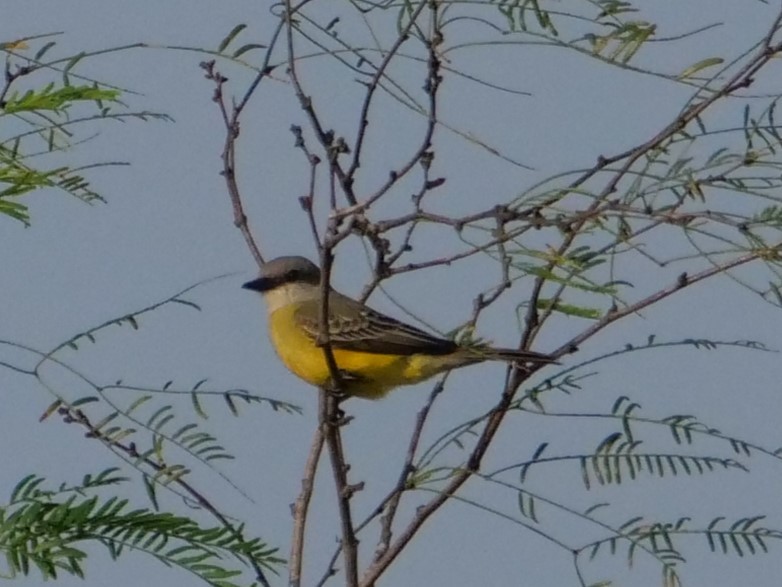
<point x="290" y="293"/>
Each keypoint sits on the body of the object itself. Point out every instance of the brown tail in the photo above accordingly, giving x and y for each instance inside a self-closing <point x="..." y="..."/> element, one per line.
<point x="510" y="355"/>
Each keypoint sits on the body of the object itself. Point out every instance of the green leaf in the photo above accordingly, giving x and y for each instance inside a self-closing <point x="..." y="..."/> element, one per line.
<point x="699" y="66"/>
<point x="569" y="309"/>
<point x="230" y="37"/>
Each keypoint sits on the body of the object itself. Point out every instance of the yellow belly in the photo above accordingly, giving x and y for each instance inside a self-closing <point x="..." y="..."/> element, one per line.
<point x="375" y="374"/>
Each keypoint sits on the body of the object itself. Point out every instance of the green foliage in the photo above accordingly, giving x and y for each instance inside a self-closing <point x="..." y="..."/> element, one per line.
<point x="135" y="422"/>
<point x="618" y="459"/>
<point x="571" y="379"/>
<point x="49" y="117"/>
<point x="241" y="50"/>
<point x="568" y="309"/>
<point x="58" y="99"/>
<point x="517" y="12"/>
<point x="151" y="437"/>
<point x="50" y="529"/>
<point x="16" y="179"/>
<point x="568" y="240"/>
<point x="742" y="537"/>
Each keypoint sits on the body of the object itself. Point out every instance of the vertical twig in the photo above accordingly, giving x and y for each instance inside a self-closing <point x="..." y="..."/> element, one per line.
<point x="329" y="416"/>
<point x="301" y="509"/>
<point x="331" y="421"/>
<point x="392" y="503"/>
<point x="228" y="156"/>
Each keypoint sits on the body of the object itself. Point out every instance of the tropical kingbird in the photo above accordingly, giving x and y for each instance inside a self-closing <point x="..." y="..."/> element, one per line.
<point x="373" y="352"/>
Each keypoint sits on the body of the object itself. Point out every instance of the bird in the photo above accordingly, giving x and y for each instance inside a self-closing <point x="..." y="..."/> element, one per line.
<point x="374" y="353"/>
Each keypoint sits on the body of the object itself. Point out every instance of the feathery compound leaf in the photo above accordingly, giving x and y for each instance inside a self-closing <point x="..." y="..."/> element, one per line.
<point x="56" y="99"/>
<point x="26" y="488"/>
<point x="43" y="535"/>
<point x="682" y="426"/>
<point x="742" y="537"/>
<point x="616" y="459"/>
<point x="106" y="477"/>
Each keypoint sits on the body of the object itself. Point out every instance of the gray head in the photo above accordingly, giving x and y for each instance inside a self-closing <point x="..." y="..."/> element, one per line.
<point x="285" y="270"/>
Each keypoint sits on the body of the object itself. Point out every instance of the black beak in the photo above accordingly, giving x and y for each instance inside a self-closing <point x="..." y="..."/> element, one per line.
<point x="260" y="284"/>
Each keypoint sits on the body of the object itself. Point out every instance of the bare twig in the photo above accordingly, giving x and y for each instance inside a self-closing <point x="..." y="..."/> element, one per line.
<point x="683" y="281"/>
<point x="301" y="509"/>
<point x="392" y="504"/>
<point x="231" y="123"/>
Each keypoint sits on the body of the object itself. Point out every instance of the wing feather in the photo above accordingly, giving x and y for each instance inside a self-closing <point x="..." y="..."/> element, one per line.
<point x="355" y="327"/>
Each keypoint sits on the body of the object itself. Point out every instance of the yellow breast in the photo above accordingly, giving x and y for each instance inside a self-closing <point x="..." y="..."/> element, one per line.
<point x="371" y="375"/>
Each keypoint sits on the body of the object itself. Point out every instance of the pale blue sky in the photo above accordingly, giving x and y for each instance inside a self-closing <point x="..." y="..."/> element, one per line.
<point x="168" y="224"/>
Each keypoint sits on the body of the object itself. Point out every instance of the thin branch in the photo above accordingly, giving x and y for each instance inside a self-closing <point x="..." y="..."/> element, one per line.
<point x="682" y="282"/>
<point x="328" y="414"/>
<point x="392" y="504"/>
<point x="231" y="123"/>
<point x="301" y="509"/>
